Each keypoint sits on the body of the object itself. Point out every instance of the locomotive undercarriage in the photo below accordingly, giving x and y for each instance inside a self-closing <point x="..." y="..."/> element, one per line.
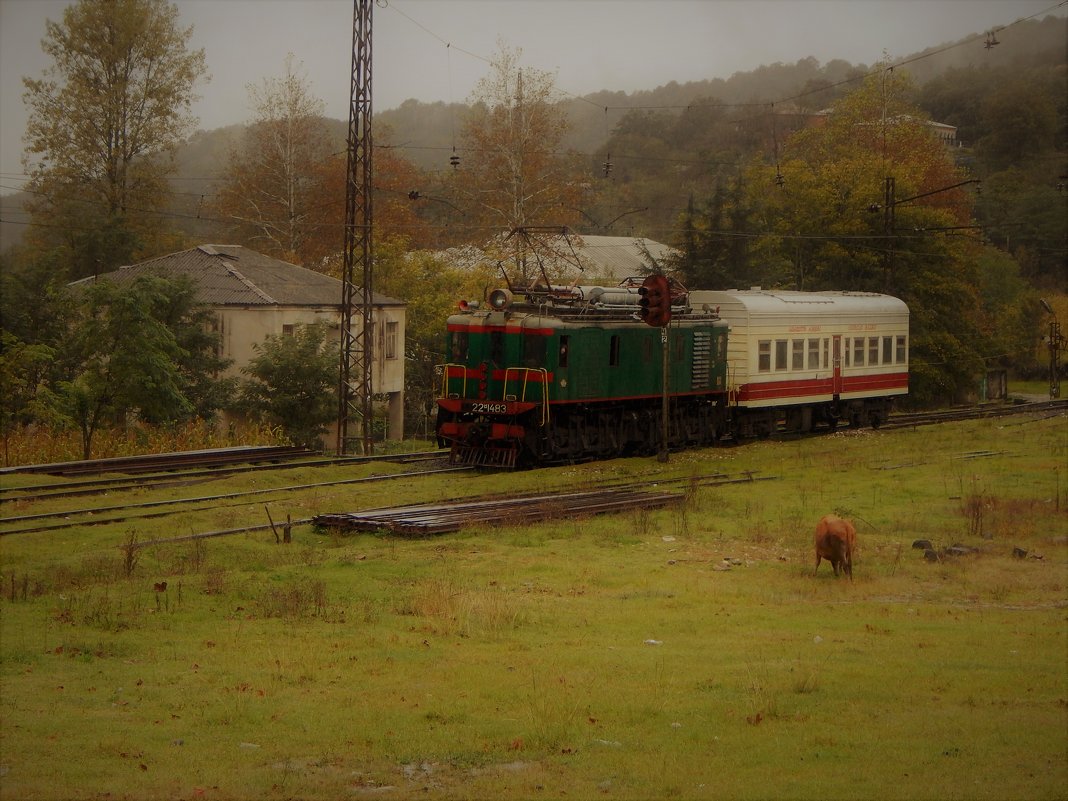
<point x="579" y="433"/>
<point x="603" y="431"/>
<point x="583" y="432"/>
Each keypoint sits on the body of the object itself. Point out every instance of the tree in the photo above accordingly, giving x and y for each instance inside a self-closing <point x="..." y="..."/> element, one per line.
<point x="513" y="172"/>
<point x="1022" y="122"/>
<point x="431" y="287"/>
<point x="293" y="383"/>
<point x="870" y="201"/>
<point x="126" y="359"/>
<point x="140" y="351"/>
<point x="22" y="370"/>
<point x="273" y="190"/>
<point x="104" y="122"/>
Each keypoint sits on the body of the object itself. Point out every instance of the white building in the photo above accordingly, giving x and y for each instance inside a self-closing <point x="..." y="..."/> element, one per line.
<point x="255" y="296"/>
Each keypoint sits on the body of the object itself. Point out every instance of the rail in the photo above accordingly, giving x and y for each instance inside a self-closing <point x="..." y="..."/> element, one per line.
<point x="445" y="379"/>
<point x="543" y="384"/>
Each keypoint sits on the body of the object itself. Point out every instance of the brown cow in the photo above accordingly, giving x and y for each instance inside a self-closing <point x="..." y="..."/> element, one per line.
<point x="835" y="541"/>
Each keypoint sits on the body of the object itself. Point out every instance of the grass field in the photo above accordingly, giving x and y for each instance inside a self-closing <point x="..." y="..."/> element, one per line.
<point x="679" y="653"/>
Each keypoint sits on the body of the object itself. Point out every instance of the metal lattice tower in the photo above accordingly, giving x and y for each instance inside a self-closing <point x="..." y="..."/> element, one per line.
<point x="354" y="384"/>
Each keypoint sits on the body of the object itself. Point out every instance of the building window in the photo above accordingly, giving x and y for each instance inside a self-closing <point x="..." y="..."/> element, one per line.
<point x="764" y="356"/>
<point x="392" y="333"/>
<point x="288" y="330"/>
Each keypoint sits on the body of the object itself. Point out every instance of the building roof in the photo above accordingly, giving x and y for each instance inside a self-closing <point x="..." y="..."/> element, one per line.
<point x="600" y="257"/>
<point x="621" y="256"/>
<point x="232" y="275"/>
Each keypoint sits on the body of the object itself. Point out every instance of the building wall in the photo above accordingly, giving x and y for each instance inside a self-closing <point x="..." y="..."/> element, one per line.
<point x="241" y="328"/>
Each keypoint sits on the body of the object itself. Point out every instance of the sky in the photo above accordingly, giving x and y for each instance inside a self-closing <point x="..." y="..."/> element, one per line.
<point x="437" y="50"/>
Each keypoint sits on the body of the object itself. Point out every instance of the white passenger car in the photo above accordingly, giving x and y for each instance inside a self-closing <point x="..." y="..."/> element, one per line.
<point x="802" y="359"/>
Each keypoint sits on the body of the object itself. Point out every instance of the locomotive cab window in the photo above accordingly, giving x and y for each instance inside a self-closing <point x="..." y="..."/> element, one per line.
<point x="613" y="351"/>
<point x="565" y="346"/>
<point x="534" y="348"/>
<point x="497" y="347"/>
<point x="458" y="347"/>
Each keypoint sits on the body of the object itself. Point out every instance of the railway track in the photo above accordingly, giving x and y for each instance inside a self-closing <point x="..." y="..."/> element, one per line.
<point x="103" y="515"/>
<point x="424" y="518"/>
<point x="979" y="412"/>
<point x="211" y="457"/>
<point x="185" y="471"/>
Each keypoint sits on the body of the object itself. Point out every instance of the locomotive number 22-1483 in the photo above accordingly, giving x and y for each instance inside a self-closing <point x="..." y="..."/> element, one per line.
<point x="489" y="408"/>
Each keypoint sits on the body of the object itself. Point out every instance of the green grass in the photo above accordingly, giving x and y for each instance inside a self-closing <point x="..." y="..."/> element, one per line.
<point x="611" y="657"/>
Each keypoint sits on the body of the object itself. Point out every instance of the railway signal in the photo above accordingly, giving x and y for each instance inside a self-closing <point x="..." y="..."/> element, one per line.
<point x="655" y="301"/>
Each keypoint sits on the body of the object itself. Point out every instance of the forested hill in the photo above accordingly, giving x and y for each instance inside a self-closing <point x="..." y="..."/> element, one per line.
<point x="951" y="79"/>
<point x="427" y="132"/>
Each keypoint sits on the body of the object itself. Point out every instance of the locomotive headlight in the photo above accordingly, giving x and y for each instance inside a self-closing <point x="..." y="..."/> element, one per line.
<point x="500" y="299"/>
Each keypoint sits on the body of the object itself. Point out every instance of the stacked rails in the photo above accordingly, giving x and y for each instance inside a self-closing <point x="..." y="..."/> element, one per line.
<point x="427" y="519"/>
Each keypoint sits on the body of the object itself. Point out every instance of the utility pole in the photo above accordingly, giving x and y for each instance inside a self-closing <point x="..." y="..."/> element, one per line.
<point x="889" y="209"/>
<point x="357" y="327"/>
<point x="1055" y="341"/>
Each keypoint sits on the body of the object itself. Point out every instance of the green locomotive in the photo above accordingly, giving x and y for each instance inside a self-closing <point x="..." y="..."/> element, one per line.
<point x="567" y="374"/>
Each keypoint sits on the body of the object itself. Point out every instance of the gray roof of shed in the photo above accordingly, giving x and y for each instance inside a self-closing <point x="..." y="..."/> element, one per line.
<point x="232" y="275"/>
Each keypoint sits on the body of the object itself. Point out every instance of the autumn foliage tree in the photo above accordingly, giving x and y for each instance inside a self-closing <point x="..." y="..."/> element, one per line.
<point x="274" y="185"/>
<point x="512" y="170"/>
<point x="870" y="200"/>
<point x="104" y="122"/>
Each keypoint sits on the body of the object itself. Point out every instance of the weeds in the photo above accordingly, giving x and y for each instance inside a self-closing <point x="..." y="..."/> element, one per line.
<point x="642" y="521"/>
<point x="554" y="714"/>
<point x="456" y="609"/>
<point x="973" y="505"/>
<point x="43" y="445"/>
<point x="298" y="599"/>
<point x="762" y="701"/>
<point x="131" y="553"/>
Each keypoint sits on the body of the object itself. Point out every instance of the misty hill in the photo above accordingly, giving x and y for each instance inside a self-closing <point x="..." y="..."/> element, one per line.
<point x="427" y="133"/>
